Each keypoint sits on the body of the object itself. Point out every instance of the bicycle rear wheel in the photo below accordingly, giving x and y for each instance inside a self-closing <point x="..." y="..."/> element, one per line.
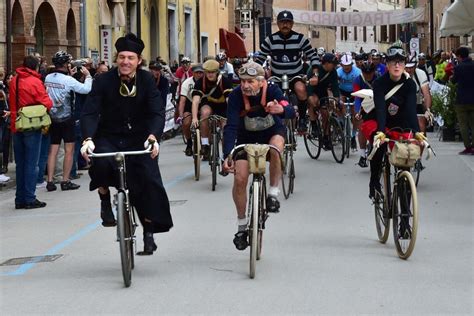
<point x="417" y="168"/>
<point x="197" y="153"/>
<point x="253" y="229"/>
<point x="313" y="140"/>
<point x="338" y="140"/>
<point x="125" y="238"/>
<point x="214" y="159"/>
<point x="405" y="214"/>
<point x="381" y="205"/>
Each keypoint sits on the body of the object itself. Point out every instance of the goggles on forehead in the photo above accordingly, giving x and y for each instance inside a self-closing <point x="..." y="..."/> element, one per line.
<point x="395" y="52"/>
<point x="249" y="71"/>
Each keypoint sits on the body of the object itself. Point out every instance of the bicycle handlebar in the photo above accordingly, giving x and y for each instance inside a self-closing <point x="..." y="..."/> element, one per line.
<point x="425" y="144"/>
<point x="122" y="153"/>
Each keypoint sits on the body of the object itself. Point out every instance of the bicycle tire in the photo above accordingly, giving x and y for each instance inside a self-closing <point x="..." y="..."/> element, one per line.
<point x="133" y="227"/>
<point x="348" y="133"/>
<point x="337" y="137"/>
<point x="214" y="160"/>
<point x="253" y="235"/>
<point x="262" y="217"/>
<point x="417" y="170"/>
<point x="381" y="206"/>
<point x="286" y="172"/>
<point x="312" y="142"/>
<point x="405" y="204"/>
<point x="292" y="176"/>
<point x="124" y="238"/>
<point x="197" y="153"/>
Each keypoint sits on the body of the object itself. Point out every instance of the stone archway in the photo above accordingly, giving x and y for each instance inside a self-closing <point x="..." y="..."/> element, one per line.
<point x="18" y="35"/>
<point x="46" y="31"/>
<point x="71" y="35"/>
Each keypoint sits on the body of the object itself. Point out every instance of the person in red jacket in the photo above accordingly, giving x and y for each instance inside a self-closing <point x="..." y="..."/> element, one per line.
<point x="26" y="88"/>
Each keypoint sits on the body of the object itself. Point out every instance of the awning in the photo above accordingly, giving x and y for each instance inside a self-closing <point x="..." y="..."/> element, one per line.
<point x="458" y="19"/>
<point x="232" y="43"/>
<point x="104" y="13"/>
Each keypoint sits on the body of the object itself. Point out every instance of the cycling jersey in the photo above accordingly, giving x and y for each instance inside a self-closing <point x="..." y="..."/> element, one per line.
<point x="346" y="80"/>
<point x="326" y="81"/>
<point x="400" y="109"/>
<point x="227" y="70"/>
<point x="235" y="127"/>
<point x="61" y="88"/>
<point x="380" y="69"/>
<point x="286" y="53"/>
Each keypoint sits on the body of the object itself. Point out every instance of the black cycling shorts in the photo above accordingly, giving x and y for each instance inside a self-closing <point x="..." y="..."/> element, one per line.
<point x="217" y="108"/>
<point x="420" y="109"/>
<point x="62" y="131"/>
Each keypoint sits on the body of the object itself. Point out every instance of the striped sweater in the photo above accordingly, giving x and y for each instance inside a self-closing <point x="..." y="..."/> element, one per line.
<point x="287" y="53"/>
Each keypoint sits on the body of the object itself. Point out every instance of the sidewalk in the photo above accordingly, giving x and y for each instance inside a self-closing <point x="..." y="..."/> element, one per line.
<point x="5" y="186"/>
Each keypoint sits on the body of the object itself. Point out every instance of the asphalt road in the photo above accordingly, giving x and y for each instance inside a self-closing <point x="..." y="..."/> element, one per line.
<point x="320" y="253"/>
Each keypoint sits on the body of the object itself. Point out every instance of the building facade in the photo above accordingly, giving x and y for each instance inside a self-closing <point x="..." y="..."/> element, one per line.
<point x="39" y="26"/>
<point x="358" y="39"/>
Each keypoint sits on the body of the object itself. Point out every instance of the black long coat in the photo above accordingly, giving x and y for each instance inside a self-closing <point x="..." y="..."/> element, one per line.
<point x="118" y="123"/>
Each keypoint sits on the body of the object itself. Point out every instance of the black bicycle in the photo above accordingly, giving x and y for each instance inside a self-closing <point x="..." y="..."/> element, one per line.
<point x="216" y="137"/>
<point x="288" y="175"/>
<point x="196" y="139"/>
<point x="256" y="210"/>
<point x="333" y="129"/>
<point x="126" y="218"/>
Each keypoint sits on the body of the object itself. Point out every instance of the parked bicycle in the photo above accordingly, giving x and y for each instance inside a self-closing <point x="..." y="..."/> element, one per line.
<point x="398" y="200"/>
<point x="126" y="218"/>
<point x="256" y="210"/>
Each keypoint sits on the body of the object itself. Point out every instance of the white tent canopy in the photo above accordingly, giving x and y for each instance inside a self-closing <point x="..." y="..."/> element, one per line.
<point x="458" y="19"/>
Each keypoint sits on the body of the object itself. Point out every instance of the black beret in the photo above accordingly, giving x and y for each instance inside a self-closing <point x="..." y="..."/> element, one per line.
<point x="129" y="43"/>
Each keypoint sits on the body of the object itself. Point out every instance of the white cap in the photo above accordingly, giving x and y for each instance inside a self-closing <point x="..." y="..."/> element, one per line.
<point x="346" y="60"/>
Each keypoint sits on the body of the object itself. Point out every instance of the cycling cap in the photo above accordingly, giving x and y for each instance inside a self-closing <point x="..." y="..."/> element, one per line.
<point x="221" y="56"/>
<point x="395" y="52"/>
<point x="61" y="57"/>
<point x="185" y="60"/>
<point x="367" y="67"/>
<point x="321" y="50"/>
<point x="411" y="61"/>
<point x="346" y="60"/>
<point x="422" y="56"/>
<point x="155" y="65"/>
<point x="251" y="70"/>
<point x="211" y="65"/>
<point x="285" y="15"/>
<point x="197" y="68"/>
<point x="329" y="58"/>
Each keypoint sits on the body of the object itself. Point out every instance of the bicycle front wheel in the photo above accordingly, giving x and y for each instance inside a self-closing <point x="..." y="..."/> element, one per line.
<point x="253" y="230"/>
<point x="338" y="140"/>
<point x="381" y="205"/>
<point x="348" y="133"/>
<point x="313" y="140"/>
<point x="405" y="214"/>
<point x="286" y="172"/>
<point x="197" y="154"/>
<point x="262" y="217"/>
<point x="124" y="236"/>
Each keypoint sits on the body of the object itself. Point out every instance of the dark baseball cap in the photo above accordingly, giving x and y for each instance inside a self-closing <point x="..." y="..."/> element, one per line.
<point x="285" y="15"/>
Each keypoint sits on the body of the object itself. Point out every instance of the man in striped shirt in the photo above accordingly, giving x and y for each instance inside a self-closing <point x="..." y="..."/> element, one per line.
<point x="286" y="49"/>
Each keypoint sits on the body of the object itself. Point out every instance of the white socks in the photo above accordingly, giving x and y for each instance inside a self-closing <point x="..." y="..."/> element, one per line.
<point x="204" y="141"/>
<point x="242" y="224"/>
<point x="274" y="191"/>
<point x="362" y="152"/>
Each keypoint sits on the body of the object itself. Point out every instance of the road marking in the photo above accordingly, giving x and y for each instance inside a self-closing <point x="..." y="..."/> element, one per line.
<point x="22" y="269"/>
